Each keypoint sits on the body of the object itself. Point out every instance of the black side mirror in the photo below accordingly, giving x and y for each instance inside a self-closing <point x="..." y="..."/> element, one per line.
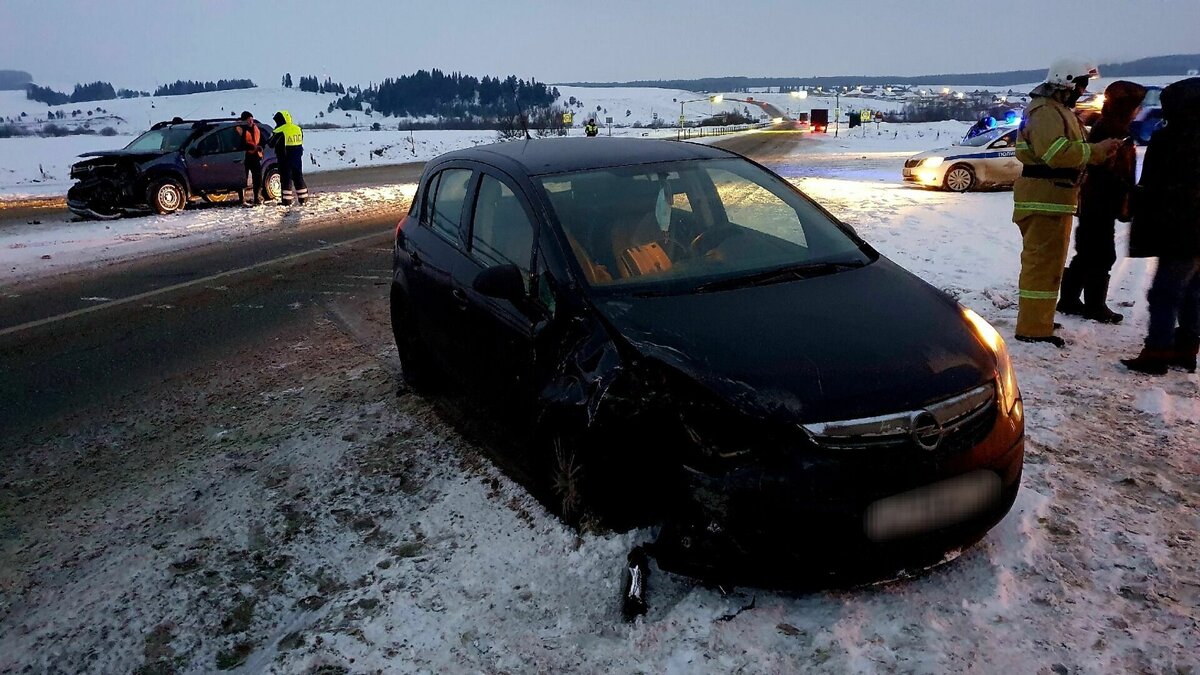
<point x="506" y="282"/>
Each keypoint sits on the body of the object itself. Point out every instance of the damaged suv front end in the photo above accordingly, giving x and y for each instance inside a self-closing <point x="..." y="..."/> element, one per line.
<point x="109" y="185"/>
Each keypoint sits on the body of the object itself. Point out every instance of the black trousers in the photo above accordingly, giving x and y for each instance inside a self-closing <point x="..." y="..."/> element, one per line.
<point x="1095" y="254"/>
<point x="254" y="167"/>
<point x="291" y="175"/>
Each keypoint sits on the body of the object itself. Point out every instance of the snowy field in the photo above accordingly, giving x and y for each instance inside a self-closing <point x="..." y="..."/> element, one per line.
<point x="316" y="521"/>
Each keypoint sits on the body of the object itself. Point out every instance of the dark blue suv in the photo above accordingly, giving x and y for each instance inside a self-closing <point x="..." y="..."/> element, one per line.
<point x="167" y="167"/>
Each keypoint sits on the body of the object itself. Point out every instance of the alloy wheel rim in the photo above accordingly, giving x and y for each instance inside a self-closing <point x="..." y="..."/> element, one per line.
<point x="273" y="185"/>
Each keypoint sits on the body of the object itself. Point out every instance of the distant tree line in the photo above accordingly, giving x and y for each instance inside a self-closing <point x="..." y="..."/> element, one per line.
<point x="1177" y="64"/>
<point x="14" y="80"/>
<point x="95" y="91"/>
<point x="315" y="86"/>
<point x="184" y="87"/>
<point x="104" y="91"/>
<point x="454" y="95"/>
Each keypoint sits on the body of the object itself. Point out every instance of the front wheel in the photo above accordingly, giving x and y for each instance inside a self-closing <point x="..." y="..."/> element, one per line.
<point x="273" y="184"/>
<point x="960" y="178"/>
<point x="166" y="195"/>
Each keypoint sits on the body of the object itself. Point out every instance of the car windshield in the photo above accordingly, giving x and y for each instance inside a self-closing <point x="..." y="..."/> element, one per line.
<point x="167" y="139"/>
<point x="986" y="137"/>
<point x="682" y="226"/>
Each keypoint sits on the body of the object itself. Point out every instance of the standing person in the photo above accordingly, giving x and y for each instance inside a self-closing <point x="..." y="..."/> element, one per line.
<point x="288" y="141"/>
<point x="252" y="137"/>
<point x="1166" y="224"/>
<point x="590" y="128"/>
<point x="1051" y="147"/>
<point x="1103" y="200"/>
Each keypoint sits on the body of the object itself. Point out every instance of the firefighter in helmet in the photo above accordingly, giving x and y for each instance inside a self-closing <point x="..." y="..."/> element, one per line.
<point x="1051" y="146"/>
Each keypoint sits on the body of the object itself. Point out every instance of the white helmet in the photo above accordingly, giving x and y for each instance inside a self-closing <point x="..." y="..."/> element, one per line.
<point x="1064" y="72"/>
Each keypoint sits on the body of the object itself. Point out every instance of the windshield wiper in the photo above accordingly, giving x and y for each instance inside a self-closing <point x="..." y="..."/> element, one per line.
<point x="778" y="275"/>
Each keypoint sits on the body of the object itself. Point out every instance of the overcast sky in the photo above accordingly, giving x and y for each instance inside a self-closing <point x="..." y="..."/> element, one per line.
<point x="136" y="43"/>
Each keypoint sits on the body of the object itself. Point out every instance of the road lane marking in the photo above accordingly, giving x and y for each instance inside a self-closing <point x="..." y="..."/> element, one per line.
<point x="194" y="282"/>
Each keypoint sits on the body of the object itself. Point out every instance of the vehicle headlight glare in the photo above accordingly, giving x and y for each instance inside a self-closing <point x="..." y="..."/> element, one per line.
<point x="1006" y="378"/>
<point x="932" y="162"/>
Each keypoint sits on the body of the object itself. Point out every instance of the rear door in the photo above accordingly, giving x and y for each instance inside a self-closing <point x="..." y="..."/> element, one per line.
<point x="217" y="161"/>
<point x="502" y="231"/>
<point x="436" y="246"/>
<point x="1004" y="168"/>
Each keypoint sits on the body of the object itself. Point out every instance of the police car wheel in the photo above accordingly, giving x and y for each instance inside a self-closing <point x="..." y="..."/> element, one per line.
<point x="960" y="178"/>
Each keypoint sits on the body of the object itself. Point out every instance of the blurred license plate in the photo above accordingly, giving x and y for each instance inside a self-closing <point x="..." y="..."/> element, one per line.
<point x="932" y="507"/>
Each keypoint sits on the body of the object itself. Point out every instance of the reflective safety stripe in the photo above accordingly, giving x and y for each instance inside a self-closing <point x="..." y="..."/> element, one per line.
<point x="1038" y="295"/>
<point x="1055" y="148"/>
<point x="1022" y="145"/>
<point x="1044" y="207"/>
<point x="1087" y="153"/>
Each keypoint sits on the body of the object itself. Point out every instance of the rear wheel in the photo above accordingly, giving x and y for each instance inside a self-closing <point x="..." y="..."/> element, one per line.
<point x="416" y="363"/>
<point x="960" y="178"/>
<point x="166" y="195"/>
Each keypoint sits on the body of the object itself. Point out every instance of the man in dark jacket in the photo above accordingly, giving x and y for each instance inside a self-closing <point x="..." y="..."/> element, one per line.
<point x="1166" y="224"/>
<point x="1103" y="200"/>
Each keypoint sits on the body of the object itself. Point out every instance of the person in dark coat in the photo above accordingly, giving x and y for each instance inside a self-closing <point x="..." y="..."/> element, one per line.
<point x="1166" y="224"/>
<point x="1103" y="199"/>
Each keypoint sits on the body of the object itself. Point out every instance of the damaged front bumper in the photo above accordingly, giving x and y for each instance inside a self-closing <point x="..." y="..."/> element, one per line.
<point x="816" y="520"/>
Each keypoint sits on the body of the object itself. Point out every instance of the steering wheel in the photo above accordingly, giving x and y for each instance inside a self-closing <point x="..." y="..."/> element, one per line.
<point x="710" y="239"/>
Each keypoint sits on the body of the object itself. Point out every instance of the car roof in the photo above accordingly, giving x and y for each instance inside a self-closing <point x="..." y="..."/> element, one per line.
<point x="541" y="156"/>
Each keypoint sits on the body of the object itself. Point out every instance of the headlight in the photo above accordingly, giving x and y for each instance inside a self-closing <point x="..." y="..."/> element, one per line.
<point x="932" y="162"/>
<point x="1010" y="395"/>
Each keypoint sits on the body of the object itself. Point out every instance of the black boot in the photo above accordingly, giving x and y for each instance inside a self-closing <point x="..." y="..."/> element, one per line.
<point x="1095" y="293"/>
<point x="1150" y="361"/>
<point x="1068" y="295"/>
<point x="1187" y="345"/>
<point x="1048" y="339"/>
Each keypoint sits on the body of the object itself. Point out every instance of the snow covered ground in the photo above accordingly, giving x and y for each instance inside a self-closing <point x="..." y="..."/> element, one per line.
<point x="313" y="520"/>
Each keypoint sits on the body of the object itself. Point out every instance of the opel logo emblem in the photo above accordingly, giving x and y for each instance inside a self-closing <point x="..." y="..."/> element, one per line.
<point x="926" y="430"/>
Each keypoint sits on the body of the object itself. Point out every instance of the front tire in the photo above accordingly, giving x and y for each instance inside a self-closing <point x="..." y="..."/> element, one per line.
<point x="960" y="178"/>
<point x="273" y="184"/>
<point x="166" y="195"/>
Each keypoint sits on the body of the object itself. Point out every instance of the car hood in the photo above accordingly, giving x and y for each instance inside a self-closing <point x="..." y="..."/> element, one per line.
<point x="858" y="343"/>
<point x="123" y="154"/>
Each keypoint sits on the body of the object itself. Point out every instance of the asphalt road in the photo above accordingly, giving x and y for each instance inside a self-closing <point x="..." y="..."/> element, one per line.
<point x="48" y="208"/>
<point x="62" y="349"/>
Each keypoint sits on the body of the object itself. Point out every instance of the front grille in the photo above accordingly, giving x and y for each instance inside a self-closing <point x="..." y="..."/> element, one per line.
<point x="949" y="426"/>
<point x="911" y="163"/>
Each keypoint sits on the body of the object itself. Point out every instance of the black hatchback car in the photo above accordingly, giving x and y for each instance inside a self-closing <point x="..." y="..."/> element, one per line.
<point x="682" y="338"/>
<point x="166" y="167"/>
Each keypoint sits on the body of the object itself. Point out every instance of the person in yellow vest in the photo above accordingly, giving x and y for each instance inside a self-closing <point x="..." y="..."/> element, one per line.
<point x="288" y="141"/>
<point x="590" y="128"/>
<point x="1051" y="146"/>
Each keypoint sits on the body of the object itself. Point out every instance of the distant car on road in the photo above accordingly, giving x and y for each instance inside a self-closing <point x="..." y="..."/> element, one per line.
<point x="985" y="161"/>
<point x="675" y="335"/>
<point x="165" y="168"/>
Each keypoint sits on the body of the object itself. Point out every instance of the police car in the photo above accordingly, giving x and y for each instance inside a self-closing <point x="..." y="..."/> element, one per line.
<point x="985" y="161"/>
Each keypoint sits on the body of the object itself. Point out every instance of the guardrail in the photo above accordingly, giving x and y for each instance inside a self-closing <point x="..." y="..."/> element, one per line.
<point x="700" y="132"/>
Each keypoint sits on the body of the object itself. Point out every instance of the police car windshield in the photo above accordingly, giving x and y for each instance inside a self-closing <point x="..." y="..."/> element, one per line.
<point x="986" y="137"/>
<point x="167" y="139"/>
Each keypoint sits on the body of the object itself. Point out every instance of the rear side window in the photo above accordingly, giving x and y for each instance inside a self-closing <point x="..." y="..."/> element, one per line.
<point x="501" y="232"/>
<point x="448" y="191"/>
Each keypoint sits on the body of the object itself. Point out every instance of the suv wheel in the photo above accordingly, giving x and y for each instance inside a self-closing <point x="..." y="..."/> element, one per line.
<point x="273" y="184"/>
<point x="166" y="195"/>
